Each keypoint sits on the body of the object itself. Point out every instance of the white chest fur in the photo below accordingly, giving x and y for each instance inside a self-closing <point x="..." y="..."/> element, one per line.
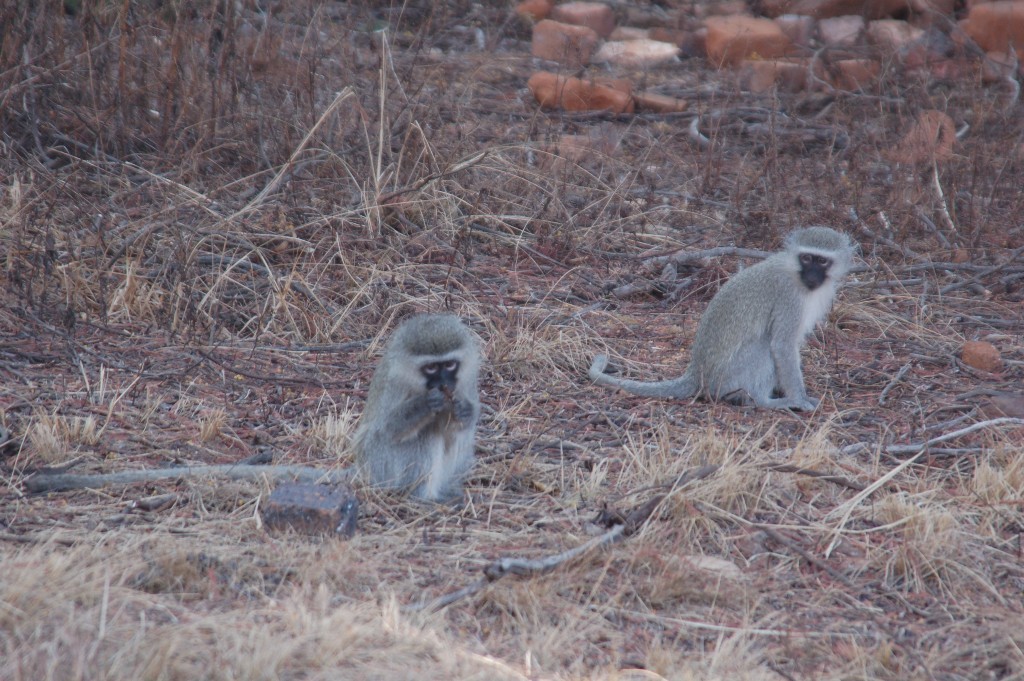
<point x="816" y="306"/>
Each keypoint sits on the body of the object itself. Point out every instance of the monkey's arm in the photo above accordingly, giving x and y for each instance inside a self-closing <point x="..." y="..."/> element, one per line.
<point x="785" y="351"/>
<point x="423" y="411"/>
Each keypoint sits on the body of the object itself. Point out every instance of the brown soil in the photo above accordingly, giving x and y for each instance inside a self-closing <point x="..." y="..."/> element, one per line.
<point x="211" y="216"/>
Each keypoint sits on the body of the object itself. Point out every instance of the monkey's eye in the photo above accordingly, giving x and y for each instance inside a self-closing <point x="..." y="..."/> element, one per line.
<point x="821" y="260"/>
<point x="806" y="258"/>
<point x="430" y="369"/>
<point x="451" y="365"/>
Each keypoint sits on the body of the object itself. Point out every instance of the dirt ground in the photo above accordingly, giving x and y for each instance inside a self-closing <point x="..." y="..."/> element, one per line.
<point x="211" y="217"/>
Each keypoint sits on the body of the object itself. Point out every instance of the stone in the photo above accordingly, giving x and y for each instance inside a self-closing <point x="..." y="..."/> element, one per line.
<point x="596" y="16"/>
<point x="844" y="31"/>
<point x="822" y="9"/>
<point x="893" y="35"/>
<point x="854" y="74"/>
<point x="981" y="355"/>
<point x="573" y="94"/>
<point x="565" y="43"/>
<point x="995" y="25"/>
<point x="331" y="510"/>
<point x="535" y="10"/>
<point x="734" y="38"/>
<point x="690" y="43"/>
<point x="629" y="33"/>
<point x="798" y="28"/>
<point x="761" y="75"/>
<point x="928" y="140"/>
<point x="635" y="53"/>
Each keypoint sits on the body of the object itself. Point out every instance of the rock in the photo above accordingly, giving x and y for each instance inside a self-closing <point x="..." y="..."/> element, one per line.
<point x="635" y="53"/>
<point x="690" y="43"/>
<point x="1000" y="66"/>
<point x="981" y="355"/>
<point x="929" y="139"/>
<point x="565" y="43"/>
<point x="994" y="25"/>
<point x="573" y="94"/>
<point x="594" y="15"/>
<point x="822" y="9"/>
<point x="629" y="33"/>
<point x="312" y="509"/>
<point x="797" y="28"/>
<point x="892" y="35"/>
<point x="853" y="74"/>
<point x="761" y="75"/>
<point x="599" y="141"/>
<point x="535" y="9"/>
<point x="844" y="31"/>
<point x="735" y="38"/>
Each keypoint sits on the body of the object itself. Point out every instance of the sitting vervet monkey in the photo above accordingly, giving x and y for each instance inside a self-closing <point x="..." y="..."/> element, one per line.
<point x="418" y="427"/>
<point x="748" y="341"/>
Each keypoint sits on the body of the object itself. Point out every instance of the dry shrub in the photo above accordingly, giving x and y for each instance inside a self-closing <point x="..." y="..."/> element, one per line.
<point x="927" y="543"/>
<point x="118" y="618"/>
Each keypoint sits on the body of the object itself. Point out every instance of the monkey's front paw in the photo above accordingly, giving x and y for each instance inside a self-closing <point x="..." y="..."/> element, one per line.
<point x="463" y="410"/>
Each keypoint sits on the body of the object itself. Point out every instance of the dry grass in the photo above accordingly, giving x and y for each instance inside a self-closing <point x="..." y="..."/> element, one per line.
<point x="211" y="217"/>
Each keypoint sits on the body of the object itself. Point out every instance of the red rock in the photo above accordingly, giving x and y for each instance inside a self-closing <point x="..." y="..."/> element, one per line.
<point x="854" y="74"/>
<point x="844" y="31"/>
<point x="929" y="139"/>
<point x="761" y="75"/>
<point x="565" y="43"/>
<point x="998" y="67"/>
<point x="995" y="25"/>
<point x="535" y="9"/>
<point x="981" y="355"/>
<point x="594" y="15"/>
<point x="734" y="38"/>
<point x="572" y="94"/>
<point x="892" y="35"/>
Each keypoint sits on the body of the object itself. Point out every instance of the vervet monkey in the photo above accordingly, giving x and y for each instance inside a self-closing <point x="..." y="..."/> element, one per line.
<point x="748" y="341"/>
<point x="418" y="427"/>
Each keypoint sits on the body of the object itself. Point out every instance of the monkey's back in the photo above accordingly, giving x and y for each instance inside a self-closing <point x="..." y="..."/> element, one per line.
<point x="736" y="329"/>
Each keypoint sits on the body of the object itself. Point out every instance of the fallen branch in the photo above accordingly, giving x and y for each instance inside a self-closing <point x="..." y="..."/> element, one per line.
<point x="517" y="566"/>
<point x="50" y="482"/>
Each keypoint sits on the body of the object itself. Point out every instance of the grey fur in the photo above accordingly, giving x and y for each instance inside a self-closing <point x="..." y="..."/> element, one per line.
<point x="748" y="340"/>
<point x="415" y="439"/>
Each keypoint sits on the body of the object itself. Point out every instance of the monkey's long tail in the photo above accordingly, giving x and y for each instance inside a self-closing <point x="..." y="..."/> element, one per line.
<point x="677" y="388"/>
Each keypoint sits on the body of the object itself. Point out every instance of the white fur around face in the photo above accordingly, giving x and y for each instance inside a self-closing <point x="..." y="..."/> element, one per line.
<point x="817" y="305"/>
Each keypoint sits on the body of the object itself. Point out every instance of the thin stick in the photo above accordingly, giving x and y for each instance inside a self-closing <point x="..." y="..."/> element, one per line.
<point x="892" y="384"/>
<point x="517" y="566"/>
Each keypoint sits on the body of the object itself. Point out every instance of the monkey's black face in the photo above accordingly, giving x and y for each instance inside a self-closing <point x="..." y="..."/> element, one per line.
<point x="441" y="375"/>
<point x="814" y="269"/>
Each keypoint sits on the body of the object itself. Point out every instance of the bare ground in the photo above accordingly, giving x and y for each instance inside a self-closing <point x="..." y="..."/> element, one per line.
<point x="211" y="218"/>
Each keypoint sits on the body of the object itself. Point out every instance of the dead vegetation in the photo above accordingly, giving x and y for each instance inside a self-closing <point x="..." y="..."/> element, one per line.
<point x="213" y="214"/>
